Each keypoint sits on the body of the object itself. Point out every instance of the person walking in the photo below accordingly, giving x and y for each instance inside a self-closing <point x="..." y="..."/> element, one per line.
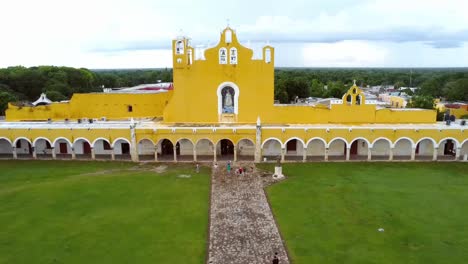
<point x="275" y="259"/>
<point x="229" y="167"/>
<point x="197" y="168"/>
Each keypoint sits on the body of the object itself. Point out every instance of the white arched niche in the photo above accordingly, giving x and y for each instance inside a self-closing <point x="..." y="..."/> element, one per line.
<point x="235" y="97"/>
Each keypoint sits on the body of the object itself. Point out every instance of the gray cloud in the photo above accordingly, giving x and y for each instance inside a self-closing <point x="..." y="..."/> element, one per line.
<point x="432" y="37"/>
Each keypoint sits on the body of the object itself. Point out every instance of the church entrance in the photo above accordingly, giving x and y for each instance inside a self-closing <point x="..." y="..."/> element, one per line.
<point x="227" y="148"/>
<point x="167" y="148"/>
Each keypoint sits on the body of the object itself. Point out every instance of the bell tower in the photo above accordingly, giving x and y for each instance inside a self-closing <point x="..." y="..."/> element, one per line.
<point x="182" y="53"/>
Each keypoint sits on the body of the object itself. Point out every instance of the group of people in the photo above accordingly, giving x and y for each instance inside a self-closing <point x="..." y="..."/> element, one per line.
<point x="241" y="171"/>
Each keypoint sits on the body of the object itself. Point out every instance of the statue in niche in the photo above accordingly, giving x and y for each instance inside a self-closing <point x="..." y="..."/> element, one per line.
<point x="228" y="100"/>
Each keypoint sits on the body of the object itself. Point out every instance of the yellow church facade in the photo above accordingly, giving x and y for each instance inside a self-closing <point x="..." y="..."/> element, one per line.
<point x="222" y="107"/>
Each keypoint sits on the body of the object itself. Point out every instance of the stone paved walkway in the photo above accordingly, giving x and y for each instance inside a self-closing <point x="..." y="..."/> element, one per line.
<point x="242" y="227"/>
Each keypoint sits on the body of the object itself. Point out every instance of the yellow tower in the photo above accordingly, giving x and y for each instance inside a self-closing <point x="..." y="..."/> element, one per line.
<point x="225" y="85"/>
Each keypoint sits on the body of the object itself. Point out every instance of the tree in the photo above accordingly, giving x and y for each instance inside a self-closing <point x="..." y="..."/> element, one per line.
<point x="399" y="84"/>
<point x="55" y="96"/>
<point x="422" y="101"/>
<point x="317" y="89"/>
<point x="5" y="98"/>
<point x="456" y="90"/>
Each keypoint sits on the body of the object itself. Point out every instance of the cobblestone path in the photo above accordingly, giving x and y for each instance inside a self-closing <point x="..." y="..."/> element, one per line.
<point x="242" y="227"/>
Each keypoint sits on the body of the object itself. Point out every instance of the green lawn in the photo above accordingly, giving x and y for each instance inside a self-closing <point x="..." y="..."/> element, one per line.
<point x="330" y="212"/>
<point x="65" y="212"/>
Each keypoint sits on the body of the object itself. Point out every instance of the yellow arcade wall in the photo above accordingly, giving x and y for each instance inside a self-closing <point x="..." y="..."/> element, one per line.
<point x="95" y="105"/>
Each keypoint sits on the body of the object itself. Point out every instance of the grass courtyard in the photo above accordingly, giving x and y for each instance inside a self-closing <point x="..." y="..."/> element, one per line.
<point x="102" y="212"/>
<point x="331" y="212"/>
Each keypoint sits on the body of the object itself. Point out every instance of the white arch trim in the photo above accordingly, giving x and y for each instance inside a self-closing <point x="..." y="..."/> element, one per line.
<point x="97" y="139"/>
<point x="246" y="139"/>
<point x="82" y="138"/>
<point x="286" y="142"/>
<point x="198" y="141"/>
<point x="62" y="138"/>
<point x="120" y="138"/>
<point x="161" y="140"/>
<point x="185" y="139"/>
<point x="7" y="139"/>
<point x="413" y="145"/>
<point x="16" y="140"/>
<point x="457" y="145"/>
<point x="316" y="138"/>
<point x="463" y="143"/>
<point x="369" y="144"/>
<point x="39" y="138"/>
<point x="272" y="138"/>
<point x="220" y="97"/>
<point x="434" y="143"/>
<point x="232" y="141"/>
<point x="338" y="138"/>
<point x="150" y="140"/>
<point x="381" y="138"/>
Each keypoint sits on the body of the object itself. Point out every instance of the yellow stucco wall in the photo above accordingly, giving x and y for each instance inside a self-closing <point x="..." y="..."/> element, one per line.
<point x="95" y="105"/>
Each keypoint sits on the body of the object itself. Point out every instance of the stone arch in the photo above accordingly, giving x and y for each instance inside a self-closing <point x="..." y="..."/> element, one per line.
<point x="146" y="149"/>
<point x="6" y="148"/>
<point x="185" y="149"/>
<point x="165" y="149"/>
<point x="272" y="148"/>
<point x="220" y="96"/>
<point x="82" y="147"/>
<point x="245" y="149"/>
<point x="23" y="147"/>
<point x="102" y="148"/>
<point x="121" y="148"/>
<point x="7" y="139"/>
<point x="316" y="148"/>
<point x="381" y="148"/>
<point x="464" y="149"/>
<point x="205" y="149"/>
<point x="294" y="150"/>
<point x="359" y="148"/>
<point x="43" y="147"/>
<point x="63" y="147"/>
<point x="402" y="148"/>
<point x="425" y="150"/>
<point x="272" y="138"/>
<point x="225" y="149"/>
<point x="338" y="138"/>
<point x="337" y="149"/>
<point x="447" y="148"/>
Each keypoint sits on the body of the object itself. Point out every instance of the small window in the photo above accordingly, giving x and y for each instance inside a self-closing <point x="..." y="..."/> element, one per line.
<point x="18" y="144"/>
<point x="222" y="56"/>
<point x="106" y="145"/>
<point x="233" y="56"/>
<point x="348" y="98"/>
<point x="179" y="47"/>
<point x="267" y="55"/>
<point x="228" y="36"/>
<point x="189" y="54"/>
<point x="130" y="108"/>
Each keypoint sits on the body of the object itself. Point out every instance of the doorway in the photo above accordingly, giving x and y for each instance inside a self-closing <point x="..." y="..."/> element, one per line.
<point x="125" y="148"/>
<point x="63" y="148"/>
<point x="227" y="147"/>
<point x="354" y="148"/>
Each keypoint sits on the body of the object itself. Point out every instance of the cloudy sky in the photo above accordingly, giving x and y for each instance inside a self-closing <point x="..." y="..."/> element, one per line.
<point x="306" y="33"/>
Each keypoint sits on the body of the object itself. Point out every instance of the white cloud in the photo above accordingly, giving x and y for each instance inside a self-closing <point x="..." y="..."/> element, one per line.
<point x="122" y="34"/>
<point x="344" y="54"/>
